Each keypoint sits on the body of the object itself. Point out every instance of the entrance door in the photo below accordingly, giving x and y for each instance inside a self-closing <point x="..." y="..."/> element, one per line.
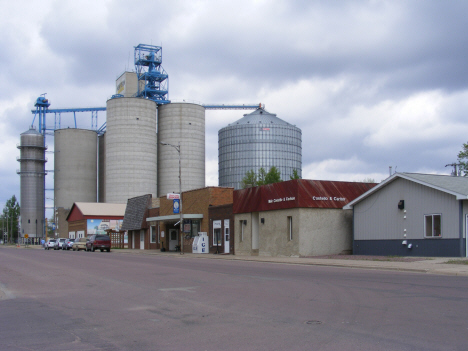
<point x="142" y="239"/>
<point x="226" y="236"/>
<point x="173" y="239"/>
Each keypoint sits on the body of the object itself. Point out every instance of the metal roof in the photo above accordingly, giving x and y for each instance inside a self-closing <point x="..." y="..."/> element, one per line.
<point x="260" y="116"/>
<point x="101" y="209"/>
<point x="136" y="211"/>
<point x="31" y="130"/>
<point x="457" y="186"/>
<point x="300" y="193"/>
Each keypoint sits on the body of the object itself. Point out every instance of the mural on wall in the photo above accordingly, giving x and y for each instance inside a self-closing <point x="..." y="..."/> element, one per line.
<point x="99" y="226"/>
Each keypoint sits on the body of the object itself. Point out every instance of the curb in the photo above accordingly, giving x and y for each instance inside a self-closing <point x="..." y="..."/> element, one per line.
<point x="451" y="270"/>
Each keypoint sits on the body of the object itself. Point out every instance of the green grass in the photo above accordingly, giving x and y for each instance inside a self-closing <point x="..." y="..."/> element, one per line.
<point x="458" y="262"/>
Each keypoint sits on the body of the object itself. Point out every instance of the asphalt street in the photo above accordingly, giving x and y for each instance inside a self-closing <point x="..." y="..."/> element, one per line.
<point x="57" y="300"/>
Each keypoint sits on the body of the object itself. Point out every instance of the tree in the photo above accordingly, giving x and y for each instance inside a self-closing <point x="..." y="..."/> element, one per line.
<point x="295" y="175"/>
<point x="368" y="180"/>
<point x="261" y="176"/>
<point x="463" y="160"/>
<point x="273" y="176"/>
<point x="10" y="216"/>
<point x="250" y="180"/>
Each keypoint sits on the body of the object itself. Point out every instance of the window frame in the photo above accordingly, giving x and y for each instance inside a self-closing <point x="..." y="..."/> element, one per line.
<point x="153" y="234"/>
<point x="290" y="228"/>
<point x="432" y="216"/>
<point x="217" y="226"/>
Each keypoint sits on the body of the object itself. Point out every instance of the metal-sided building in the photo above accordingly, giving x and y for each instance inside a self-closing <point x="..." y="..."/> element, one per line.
<point x="295" y="218"/>
<point x="258" y="140"/>
<point x="411" y="214"/>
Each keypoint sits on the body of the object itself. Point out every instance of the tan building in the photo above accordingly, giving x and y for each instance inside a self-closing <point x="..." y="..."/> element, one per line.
<point x="295" y="218"/>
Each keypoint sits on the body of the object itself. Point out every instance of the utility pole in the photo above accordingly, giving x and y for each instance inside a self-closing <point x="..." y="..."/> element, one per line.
<point x="177" y="147"/>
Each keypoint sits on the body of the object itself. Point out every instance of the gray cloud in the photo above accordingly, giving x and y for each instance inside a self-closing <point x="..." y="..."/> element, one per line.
<point x="371" y="84"/>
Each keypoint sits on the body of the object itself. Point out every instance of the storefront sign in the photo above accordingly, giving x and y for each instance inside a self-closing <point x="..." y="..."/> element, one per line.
<point x="328" y="198"/>
<point x="281" y="199"/>
<point x="175" y="205"/>
<point x="172" y="196"/>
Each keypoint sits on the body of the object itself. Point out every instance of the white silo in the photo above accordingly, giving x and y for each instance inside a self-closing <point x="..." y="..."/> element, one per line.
<point x="32" y="182"/>
<point x="130" y="149"/>
<point x="75" y="171"/>
<point x="184" y="123"/>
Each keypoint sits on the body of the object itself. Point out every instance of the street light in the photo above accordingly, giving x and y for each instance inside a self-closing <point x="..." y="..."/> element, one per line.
<point x="177" y="147"/>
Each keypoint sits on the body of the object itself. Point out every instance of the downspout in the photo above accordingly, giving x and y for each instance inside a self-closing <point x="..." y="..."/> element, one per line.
<point x="460" y="227"/>
<point x="352" y="235"/>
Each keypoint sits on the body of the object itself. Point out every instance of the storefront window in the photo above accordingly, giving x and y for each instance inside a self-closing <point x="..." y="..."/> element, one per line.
<point x="191" y="227"/>
<point x="195" y="227"/>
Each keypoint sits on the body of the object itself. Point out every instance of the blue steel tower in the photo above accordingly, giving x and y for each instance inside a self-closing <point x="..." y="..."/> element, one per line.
<point x="148" y="59"/>
<point x="42" y="104"/>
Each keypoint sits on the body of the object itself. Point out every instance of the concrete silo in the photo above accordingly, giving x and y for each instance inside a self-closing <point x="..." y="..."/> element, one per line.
<point x="258" y="140"/>
<point x="130" y="149"/>
<point x="184" y="123"/>
<point x="102" y="168"/>
<point x="32" y="182"/>
<point x="75" y="171"/>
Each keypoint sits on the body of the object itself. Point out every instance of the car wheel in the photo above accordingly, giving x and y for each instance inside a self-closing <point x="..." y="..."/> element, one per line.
<point x="102" y="250"/>
<point x="108" y="250"/>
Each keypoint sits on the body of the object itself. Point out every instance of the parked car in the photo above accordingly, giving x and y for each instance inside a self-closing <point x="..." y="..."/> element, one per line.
<point x="68" y="244"/>
<point x="59" y="243"/>
<point x="98" y="241"/>
<point x="49" y="244"/>
<point x="79" y="244"/>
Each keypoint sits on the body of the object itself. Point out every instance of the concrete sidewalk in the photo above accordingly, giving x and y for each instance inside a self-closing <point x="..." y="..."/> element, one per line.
<point x="436" y="265"/>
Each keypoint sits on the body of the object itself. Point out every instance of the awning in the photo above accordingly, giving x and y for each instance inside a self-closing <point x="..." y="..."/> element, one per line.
<point x="175" y="217"/>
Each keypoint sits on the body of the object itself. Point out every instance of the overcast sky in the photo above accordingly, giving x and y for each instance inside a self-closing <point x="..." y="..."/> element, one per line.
<point x="372" y="84"/>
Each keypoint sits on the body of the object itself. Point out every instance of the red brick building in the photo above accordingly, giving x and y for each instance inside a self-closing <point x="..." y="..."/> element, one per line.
<point x="165" y="225"/>
<point x="87" y="218"/>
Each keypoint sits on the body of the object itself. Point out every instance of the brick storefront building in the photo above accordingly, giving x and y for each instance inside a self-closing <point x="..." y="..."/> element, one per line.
<point x="153" y="225"/>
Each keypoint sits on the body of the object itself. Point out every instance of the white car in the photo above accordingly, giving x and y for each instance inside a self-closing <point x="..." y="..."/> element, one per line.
<point x="59" y="243"/>
<point x="49" y="244"/>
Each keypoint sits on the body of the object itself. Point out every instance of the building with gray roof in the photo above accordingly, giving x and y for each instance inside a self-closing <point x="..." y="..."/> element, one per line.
<point x="412" y="214"/>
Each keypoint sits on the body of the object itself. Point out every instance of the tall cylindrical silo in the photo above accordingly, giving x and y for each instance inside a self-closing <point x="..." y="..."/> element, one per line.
<point x="75" y="171"/>
<point x="131" y="149"/>
<point x="258" y="140"/>
<point x="182" y="123"/>
<point x="32" y="183"/>
<point x="102" y="168"/>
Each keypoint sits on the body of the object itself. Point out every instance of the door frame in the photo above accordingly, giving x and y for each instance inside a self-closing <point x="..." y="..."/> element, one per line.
<point x="142" y="236"/>
<point x="226" y="235"/>
<point x="173" y="243"/>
